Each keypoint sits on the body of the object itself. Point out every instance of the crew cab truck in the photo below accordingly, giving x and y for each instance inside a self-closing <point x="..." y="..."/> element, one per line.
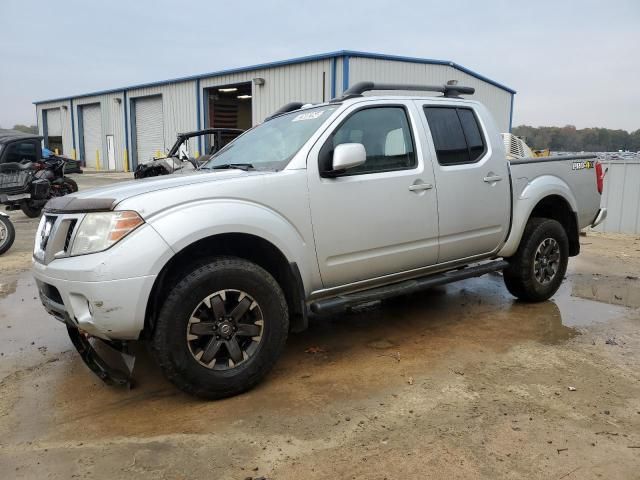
<point x="318" y="209"/>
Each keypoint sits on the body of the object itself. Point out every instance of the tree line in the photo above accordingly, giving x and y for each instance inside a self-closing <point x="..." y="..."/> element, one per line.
<point x="571" y="139"/>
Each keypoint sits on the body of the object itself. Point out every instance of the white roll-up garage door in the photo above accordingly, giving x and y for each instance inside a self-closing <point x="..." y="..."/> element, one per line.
<point x="149" y="128"/>
<point x="92" y="135"/>
<point x="54" y="125"/>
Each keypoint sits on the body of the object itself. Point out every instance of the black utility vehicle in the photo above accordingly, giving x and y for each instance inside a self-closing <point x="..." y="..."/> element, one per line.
<point x="178" y="158"/>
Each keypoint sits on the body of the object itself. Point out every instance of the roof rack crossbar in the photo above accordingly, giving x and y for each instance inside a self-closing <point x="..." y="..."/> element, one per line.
<point x="451" y="91"/>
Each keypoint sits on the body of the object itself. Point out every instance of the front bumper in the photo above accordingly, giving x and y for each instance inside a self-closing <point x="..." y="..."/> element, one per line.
<point x="109" y="310"/>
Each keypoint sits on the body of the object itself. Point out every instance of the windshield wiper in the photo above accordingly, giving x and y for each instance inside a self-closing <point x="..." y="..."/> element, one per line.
<point x="240" y="166"/>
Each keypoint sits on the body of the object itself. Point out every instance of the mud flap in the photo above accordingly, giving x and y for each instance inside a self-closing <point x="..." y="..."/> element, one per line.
<point x="109" y="374"/>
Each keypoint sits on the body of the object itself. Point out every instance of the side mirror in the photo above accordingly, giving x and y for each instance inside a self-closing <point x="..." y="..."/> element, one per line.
<point x="348" y="155"/>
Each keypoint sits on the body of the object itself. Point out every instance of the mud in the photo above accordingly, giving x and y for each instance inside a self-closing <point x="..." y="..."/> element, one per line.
<point x="457" y="382"/>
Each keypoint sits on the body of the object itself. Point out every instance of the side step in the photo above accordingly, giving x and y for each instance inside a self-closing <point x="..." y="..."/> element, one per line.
<point x="342" y="302"/>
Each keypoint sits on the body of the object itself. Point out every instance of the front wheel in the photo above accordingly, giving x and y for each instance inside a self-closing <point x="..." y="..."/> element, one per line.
<point x="7" y="234"/>
<point x="221" y="328"/>
<point x="538" y="267"/>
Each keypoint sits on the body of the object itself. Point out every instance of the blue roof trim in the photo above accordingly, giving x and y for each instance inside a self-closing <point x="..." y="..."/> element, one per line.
<point x="280" y="63"/>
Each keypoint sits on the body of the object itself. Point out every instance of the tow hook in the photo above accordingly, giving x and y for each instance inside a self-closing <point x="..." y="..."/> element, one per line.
<point x="109" y="374"/>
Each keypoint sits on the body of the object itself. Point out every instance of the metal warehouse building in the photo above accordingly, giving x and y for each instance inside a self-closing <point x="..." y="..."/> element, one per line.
<point x="119" y="128"/>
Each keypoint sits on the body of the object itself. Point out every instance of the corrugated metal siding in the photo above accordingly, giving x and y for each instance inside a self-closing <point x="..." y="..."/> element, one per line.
<point x="283" y="84"/>
<point x="621" y="197"/>
<point x="497" y="100"/>
<point x="300" y="82"/>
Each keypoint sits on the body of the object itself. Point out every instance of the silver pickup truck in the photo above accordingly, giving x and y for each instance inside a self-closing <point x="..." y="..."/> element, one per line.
<point x="319" y="209"/>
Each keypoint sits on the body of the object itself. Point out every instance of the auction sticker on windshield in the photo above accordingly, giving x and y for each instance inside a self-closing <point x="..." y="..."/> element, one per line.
<point x="307" y="116"/>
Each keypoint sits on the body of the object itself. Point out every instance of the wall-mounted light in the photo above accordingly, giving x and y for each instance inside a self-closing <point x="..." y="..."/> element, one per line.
<point x="64" y="107"/>
<point x="244" y="97"/>
<point x="259" y="81"/>
<point x="226" y="90"/>
<point x="117" y="100"/>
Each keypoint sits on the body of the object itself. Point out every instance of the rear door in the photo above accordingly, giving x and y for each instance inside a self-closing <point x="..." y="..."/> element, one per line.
<point x="381" y="217"/>
<point x="472" y="179"/>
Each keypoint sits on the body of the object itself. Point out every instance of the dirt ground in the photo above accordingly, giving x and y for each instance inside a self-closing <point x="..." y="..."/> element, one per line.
<point x="458" y="382"/>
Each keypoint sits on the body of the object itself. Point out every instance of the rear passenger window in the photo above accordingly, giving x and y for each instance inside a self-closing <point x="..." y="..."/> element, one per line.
<point x="456" y="135"/>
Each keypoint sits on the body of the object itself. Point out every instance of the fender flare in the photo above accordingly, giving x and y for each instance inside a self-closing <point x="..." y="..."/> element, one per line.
<point x="526" y="201"/>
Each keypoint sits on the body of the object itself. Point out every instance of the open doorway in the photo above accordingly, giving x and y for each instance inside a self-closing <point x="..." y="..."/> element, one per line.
<point x="229" y="106"/>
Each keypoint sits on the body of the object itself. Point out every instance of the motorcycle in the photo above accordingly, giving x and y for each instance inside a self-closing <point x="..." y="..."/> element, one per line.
<point x="7" y="233"/>
<point x="28" y="186"/>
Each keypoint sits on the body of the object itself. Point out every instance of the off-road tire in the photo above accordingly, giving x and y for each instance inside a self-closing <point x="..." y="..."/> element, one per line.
<point x="520" y="278"/>
<point x="30" y="211"/>
<point x="71" y="184"/>
<point x="5" y="244"/>
<point x="169" y="342"/>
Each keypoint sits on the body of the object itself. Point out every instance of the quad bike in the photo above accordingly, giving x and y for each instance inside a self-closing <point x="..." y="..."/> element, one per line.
<point x="7" y="233"/>
<point x="28" y="186"/>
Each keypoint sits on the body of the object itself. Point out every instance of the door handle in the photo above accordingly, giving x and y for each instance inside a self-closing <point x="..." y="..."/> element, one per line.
<point x="416" y="187"/>
<point x="492" y="178"/>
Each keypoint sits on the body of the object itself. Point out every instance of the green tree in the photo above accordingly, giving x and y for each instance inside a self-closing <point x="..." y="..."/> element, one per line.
<point x="571" y="139"/>
<point x="26" y="129"/>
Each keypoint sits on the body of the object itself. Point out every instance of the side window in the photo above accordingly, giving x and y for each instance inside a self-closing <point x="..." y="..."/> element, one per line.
<point x="456" y="135"/>
<point x="385" y="134"/>
<point x="18" y="151"/>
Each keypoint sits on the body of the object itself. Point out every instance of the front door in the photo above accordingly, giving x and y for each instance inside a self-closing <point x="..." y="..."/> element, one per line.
<point x="379" y="218"/>
<point x="474" y="199"/>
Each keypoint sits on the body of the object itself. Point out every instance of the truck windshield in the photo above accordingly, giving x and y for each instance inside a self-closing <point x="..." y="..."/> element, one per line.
<point x="272" y="145"/>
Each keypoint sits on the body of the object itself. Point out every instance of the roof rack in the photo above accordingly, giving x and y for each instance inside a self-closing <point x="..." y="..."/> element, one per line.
<point x="450" y="90"/>
<point x="289" y="107"/>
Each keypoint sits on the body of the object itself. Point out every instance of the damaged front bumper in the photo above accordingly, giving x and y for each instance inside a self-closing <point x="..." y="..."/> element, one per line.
<point x="106" y="370"/>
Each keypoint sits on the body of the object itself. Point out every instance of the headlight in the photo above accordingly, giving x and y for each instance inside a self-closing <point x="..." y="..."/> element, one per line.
<point x="99" y="231"/>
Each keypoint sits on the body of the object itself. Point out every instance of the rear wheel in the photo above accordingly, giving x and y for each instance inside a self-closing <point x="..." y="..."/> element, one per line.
<point x="71" y="184"/>
<point x="30" y="209"/>
<point x="538" y="267"/>
<point x="7" y="234"/>
<point x="221" y="329"/>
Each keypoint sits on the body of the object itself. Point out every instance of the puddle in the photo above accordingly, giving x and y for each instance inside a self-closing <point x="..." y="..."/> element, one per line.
<point x="28" y="335"/>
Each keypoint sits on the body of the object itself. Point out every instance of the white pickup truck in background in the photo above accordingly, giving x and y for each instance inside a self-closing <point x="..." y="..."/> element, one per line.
<point x="317" y="210"/>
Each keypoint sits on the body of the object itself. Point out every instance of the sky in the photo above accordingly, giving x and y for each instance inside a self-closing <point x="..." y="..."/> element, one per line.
<point x="571" y="62"/>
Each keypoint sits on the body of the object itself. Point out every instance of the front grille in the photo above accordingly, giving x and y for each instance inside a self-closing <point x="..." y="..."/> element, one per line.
<point x="55" y="236"/>
<point x="67" y="240"/>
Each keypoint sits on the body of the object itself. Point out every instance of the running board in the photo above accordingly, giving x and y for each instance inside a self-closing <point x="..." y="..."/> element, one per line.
<point x="342" y="302"/>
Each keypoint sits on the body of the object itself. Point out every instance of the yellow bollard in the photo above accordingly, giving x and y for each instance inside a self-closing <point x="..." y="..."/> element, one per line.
<point x="73" y="154"/>
<point x="126" y="160"/>
<point x="197" y="154"/>
<point x="157" y="153"/>
<point x="98" y="160"/>
<point x="55" y="150"/>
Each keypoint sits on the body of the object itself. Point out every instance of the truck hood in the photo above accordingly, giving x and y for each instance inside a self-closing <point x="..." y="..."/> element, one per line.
<point x="106" y="198"/>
